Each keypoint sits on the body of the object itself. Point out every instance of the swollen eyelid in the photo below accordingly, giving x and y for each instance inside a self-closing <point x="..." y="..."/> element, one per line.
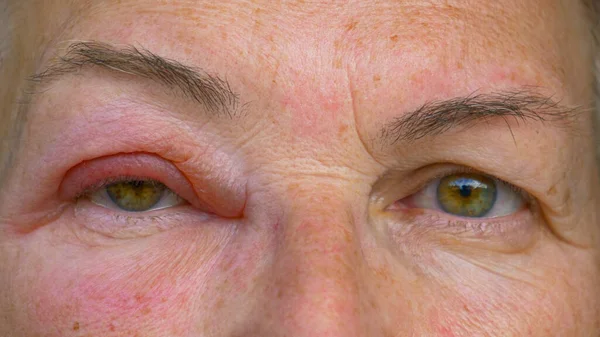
<point x="90" y="175"/>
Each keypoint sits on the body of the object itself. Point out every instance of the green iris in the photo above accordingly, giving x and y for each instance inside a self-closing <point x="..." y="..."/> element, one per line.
<point x="135" y="195"/>
<point x="468" y="195"/>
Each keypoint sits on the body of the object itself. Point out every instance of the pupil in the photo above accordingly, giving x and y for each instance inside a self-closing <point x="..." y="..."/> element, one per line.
<point x="137" y="183"/>
<point x="466" y="195"/>
<point x="465" y="191"/>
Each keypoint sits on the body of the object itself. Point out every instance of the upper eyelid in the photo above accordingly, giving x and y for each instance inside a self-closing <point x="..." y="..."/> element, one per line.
<point x="92" y="174"/>
<point x="204" y="192"/>
<point x="462" y="169"/>
<point x="397" y="185"/>
<point x="466" y="169"/>
<point x="93" y="188"/>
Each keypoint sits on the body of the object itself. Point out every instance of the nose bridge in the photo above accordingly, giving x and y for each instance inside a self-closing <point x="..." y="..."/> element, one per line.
<point x="316" y="284"/>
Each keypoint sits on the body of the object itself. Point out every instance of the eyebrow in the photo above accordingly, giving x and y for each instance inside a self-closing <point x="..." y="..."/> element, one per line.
<point x="212" y="92"/>
<point x="437" y="117"/>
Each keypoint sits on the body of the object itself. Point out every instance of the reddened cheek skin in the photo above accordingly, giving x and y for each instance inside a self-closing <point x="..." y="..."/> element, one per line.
<point x="152" y="287"/>
<point x="102" y="300"/>
<point x="99" y="305"/>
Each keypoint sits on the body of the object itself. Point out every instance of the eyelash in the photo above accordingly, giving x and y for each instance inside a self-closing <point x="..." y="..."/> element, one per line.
<point x="92" y="175"/>
<point x="457" y="170"/>
<point x="466" y="170"/>
<point x="516" y="230"/>
<point x="510" y="233"/>
<point x="89" y="189"/>
<point x="98" y="194"/>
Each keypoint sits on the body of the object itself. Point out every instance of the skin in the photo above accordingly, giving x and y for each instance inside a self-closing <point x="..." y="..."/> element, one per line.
<point x="289" y="230"/>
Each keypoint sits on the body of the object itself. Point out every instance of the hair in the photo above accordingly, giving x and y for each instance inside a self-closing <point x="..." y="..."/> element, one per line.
<point x="9" y="65"/>
<point x="592" y="8"/>
<point x="20" y="49"/>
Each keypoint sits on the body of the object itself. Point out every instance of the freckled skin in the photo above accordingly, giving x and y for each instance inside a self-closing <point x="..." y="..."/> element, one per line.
<point x="314" y="253"/>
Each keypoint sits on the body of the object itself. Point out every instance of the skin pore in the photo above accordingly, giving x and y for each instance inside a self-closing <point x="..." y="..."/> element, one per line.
<point x="305" y="212"/>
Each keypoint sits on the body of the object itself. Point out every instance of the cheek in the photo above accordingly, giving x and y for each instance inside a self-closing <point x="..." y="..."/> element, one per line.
<point x="155" y="287"/>
<point x="105" y="303"/>
<point x="501" y="306"/>
<point x="118" y="297"/>
<point x="473" y="312"/>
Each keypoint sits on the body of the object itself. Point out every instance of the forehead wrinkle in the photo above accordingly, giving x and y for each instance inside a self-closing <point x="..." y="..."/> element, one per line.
<point x="547" y="36"/>
<point x="421" y="23"/>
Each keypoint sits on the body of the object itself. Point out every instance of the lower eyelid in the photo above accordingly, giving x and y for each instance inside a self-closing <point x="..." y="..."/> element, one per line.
<point x="127" y="225"/>
<point x="509" y="234"/>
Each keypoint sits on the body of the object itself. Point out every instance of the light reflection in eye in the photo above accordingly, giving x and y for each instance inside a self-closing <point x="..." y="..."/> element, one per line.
<point x="469" y="195"/>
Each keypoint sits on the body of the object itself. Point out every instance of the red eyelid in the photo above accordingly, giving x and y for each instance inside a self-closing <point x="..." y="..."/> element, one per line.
<point x="89" y="173"/>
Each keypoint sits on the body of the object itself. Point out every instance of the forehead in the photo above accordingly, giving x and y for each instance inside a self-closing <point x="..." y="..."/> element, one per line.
<point x="327" y="62"/>
<point x="324" y="62"/>
<point x="534" y="38"/>
<point x="425" y="21"/>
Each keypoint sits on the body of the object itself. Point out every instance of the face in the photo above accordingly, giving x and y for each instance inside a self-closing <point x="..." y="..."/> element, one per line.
<point x="303" y="169"/>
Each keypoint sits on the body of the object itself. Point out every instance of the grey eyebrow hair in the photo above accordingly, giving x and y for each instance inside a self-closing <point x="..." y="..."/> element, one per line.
<point x="437" y="117"/>
<point x="211" y="91"/>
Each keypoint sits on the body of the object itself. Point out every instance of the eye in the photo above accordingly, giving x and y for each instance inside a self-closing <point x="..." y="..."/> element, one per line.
<point x="135" y="195"/>
<point x="469" y="195"/>
<point x="466" y="195"/>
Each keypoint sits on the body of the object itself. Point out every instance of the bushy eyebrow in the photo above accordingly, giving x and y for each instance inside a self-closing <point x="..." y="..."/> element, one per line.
<point x="436" y="117"/>
<point x="211" y="91"/>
